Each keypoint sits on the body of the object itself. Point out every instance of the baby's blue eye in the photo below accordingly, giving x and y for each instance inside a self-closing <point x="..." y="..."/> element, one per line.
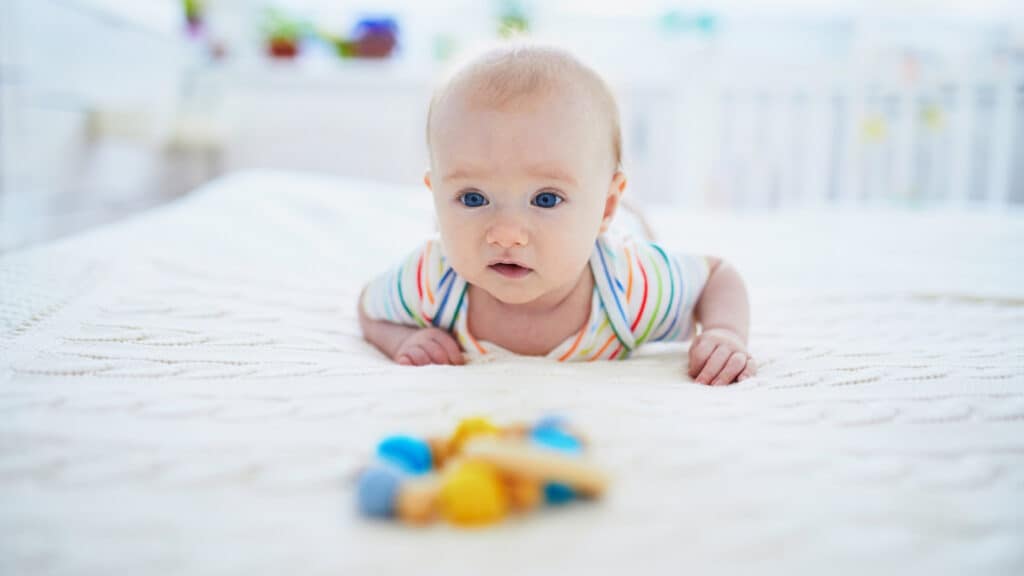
<point x="472" y="199"/>
<point x="547" y="200"/>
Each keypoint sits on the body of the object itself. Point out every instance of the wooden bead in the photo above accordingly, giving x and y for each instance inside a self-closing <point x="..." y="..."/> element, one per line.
<point x="522" y="459"/>
<point x="524" y="494"/>
<point x="438" y="451"/>
<point x="417" y="501"/>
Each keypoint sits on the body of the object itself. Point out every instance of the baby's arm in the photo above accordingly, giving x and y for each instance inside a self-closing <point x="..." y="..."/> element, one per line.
<point x="408" y="344"/>
<point x="718" y="355"/>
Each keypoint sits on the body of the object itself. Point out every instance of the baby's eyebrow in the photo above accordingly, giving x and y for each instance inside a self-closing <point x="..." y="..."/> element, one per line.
<point x="549" y="173"/>
<point x="460" y="174"/>
<point x="542" y="172"/>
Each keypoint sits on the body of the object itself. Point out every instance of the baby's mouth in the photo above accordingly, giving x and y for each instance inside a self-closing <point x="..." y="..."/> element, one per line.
<point x="510" y="270"/>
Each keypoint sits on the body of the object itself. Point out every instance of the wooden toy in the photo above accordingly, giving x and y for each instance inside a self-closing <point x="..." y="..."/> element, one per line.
<point x="480" y="474"/>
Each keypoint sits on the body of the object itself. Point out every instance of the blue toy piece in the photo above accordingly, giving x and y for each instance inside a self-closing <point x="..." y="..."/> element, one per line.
<point x="411" y="455"/>
<point x="557" y="494"/>
<point x="377" y="491"/>
<point x="550" y="432"/>
<point x="551" y="421"/>
<point x="556" y="439"/>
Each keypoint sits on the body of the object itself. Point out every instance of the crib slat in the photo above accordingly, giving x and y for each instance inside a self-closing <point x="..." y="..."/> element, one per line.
<point x="852" y="136"/>
<point x="795" y="146"/>
<point x="819" y="147"/>
<point x="1016" y="186"/>
<point x="848" y="108"/>
<point x="1002" y="142"/>
<point x="962" y="122"/>
<point x="904" y="145"/>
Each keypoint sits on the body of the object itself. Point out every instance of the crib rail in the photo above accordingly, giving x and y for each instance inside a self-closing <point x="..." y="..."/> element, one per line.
<point x="787" y="138"/>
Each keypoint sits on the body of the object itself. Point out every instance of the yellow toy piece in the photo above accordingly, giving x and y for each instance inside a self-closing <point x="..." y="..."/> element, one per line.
<point x="479" y="474"/>
<point x="473" y="494"/>
<point x="470" y="428"/>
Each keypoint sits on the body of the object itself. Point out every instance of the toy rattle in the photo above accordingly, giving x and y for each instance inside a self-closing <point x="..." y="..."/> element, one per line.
<point x="479" y="474"/>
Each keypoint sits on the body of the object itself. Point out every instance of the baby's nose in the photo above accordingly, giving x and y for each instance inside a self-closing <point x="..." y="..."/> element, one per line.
<point x="507" y="235"/>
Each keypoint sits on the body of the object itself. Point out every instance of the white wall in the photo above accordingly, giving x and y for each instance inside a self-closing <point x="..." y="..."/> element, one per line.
<point x="86" y="86"/>
<point x="776" y="103"/>
<point x="105" y="107"/>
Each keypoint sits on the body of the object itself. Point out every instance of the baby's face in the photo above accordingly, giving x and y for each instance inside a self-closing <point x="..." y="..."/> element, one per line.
<point x="521" y="192"/>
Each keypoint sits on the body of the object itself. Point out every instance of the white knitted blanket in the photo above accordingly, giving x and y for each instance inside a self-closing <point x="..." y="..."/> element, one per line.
<point x="187" y="392"/>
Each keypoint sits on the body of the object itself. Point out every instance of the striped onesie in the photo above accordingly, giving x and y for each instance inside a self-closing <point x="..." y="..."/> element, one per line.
<point x="641" y="294"/>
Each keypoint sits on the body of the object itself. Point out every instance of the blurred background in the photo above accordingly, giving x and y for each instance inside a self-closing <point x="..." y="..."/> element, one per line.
<point x="109" y="107"/>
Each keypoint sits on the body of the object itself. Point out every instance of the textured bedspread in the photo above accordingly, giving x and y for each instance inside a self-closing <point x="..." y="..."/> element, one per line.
<point x="187" y="393"/>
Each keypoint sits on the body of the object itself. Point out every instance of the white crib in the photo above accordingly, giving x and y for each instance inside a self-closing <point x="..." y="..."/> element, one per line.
<point x="794" y="136"/>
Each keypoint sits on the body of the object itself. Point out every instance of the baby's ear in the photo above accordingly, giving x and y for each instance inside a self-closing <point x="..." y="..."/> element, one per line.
<point x="611" y="202"/>
<point x="426" y="179"/>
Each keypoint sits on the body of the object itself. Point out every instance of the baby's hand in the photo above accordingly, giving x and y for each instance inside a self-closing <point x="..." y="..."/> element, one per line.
<point x="718" y="356"/>
<point x="429" y="346"/>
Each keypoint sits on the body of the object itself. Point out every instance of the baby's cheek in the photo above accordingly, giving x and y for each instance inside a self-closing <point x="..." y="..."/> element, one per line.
<point x="461" y="262"/>
<point x="569" y="258"/>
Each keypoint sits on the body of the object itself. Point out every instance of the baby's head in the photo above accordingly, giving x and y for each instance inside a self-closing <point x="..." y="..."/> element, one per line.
<point x="524" y="167"/>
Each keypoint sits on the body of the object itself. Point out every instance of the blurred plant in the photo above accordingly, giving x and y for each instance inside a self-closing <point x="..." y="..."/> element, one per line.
<point x="194" y="14"/>
<point x="282" y="33"/>
<point x="343" y="46"/>
<point x="513" y="19"/>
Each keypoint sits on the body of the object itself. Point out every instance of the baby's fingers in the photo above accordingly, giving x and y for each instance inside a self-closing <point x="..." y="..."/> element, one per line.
<point x="714" y="365"/>
<point x="737" y="362"/>
<point x="699" y="354"/>
<point x="435" y="351"/>
<point x="750" y="370"/>
<point x="414" y="355"/>
<point x="452" y="349"/>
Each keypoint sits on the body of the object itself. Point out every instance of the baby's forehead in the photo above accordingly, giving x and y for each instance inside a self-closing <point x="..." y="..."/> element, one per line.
<point x="522" y="81"/>
<point x="529" y="80"/>
<point x="540" y="111"/>
<point x="548" y="134"/>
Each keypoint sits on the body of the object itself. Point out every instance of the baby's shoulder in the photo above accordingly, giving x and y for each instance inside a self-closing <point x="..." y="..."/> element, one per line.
<point x="429" y="259"/>
<point x="630" y="268"/>
<point x="618" y="255"/>
<point x="647" y="291"/>
<point x="428" y="250"/>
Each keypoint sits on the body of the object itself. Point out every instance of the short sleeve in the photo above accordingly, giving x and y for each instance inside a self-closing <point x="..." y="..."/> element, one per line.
<point x="649" y="294"/>
<point x="687" y="276"/>
<point x="416" y="292"/>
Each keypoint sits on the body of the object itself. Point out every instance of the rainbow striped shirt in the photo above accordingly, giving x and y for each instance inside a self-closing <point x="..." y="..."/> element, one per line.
<point x="641" y="294"/>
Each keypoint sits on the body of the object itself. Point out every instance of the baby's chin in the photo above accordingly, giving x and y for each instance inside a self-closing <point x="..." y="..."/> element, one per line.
<point x="507" y="294"/>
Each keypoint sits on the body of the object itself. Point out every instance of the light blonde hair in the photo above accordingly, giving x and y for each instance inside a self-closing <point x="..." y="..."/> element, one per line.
<point x="502" y="75"/>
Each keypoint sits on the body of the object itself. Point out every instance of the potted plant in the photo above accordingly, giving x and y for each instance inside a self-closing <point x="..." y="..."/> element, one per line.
<point x="194" y="13"/>
<point x="282" y="34"/>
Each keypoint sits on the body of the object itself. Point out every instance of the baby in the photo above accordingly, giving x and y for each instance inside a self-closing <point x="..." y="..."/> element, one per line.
<point x="525" y="171"/>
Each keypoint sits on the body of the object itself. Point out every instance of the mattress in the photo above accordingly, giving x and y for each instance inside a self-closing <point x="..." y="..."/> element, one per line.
<point x="187" y="392"/>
